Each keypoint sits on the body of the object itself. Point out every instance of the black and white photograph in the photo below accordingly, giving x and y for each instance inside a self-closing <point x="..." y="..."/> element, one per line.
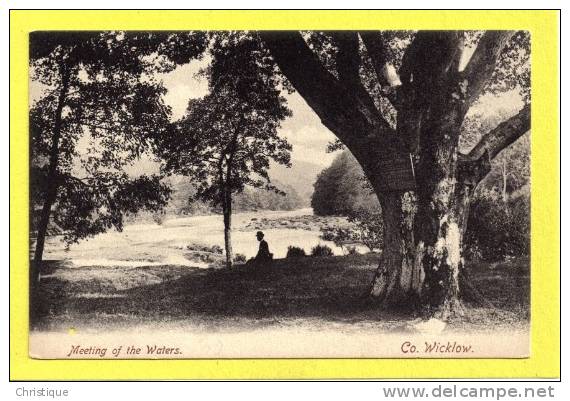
<point x="279" y="194"/>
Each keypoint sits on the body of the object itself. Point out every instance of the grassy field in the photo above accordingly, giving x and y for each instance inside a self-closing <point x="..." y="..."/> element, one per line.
<point x="322" y="291"/>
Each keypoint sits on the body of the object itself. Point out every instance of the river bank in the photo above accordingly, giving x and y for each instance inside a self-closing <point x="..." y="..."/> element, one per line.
<point x="169" y="243"/>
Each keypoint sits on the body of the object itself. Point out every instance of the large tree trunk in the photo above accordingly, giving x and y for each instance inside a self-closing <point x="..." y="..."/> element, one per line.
<point x="420" y="260"/>
<point x="421" y="267"/>
<point x="51" y="183"/>
<point x="398" y="279"/>
<point x="422" y="253"/>
<point x="438" y="252"/>
<point x="438" y="226"/>
<point x="227" y="210"/>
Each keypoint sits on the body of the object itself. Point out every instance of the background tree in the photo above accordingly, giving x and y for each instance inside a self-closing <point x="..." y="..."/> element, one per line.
<point x="98" y="105"/>
<point x="342" y="189"/>
<point x="365" y="227"/>
<point x="499" y="216"/>
<point x="227" y="139"/>
<point x="389" y="95"/>
<point x="498" y="230"/>
<point x="183" y="200"/>
<point x="254" y="199"/>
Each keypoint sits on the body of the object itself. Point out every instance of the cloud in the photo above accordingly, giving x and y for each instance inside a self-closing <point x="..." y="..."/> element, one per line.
<point x="184" y="84"/>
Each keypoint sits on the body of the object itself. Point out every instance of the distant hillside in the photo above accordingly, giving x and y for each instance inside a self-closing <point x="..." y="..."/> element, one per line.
<point x="301" y="176"/>
<point x="249" y="199"/>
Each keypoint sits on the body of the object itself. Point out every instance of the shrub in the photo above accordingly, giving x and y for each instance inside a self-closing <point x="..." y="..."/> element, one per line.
<point x="351" y="250"/>
<point x="366" y="228"/>
<point x="240" y="258"/>
<point x="497" y="230"/>
<point x="216" y="249"/>
<point x="321" y="250"/>
<point x="158" y="218"/>
<point x="206" y="248"/>
<point x="295" y="252"/>
<point x="329" y="234"/>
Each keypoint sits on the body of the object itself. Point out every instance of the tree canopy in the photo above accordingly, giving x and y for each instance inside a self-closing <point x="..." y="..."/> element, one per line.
<point x="393" y="96"/>
<point x="227" y="139"/>
<point x="98" y="105"/>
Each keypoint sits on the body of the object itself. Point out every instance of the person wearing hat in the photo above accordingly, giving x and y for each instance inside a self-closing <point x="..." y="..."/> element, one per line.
<point x="263" y="257"/>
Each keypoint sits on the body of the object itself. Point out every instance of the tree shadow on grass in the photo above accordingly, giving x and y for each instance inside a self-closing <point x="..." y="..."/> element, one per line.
<point x="332" y="289"/>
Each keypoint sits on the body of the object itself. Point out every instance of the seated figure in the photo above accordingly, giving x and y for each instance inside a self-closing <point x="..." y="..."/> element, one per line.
<point x="263" y="257"/>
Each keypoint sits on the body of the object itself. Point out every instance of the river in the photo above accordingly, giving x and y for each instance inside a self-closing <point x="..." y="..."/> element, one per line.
<point x="152" y="244"/>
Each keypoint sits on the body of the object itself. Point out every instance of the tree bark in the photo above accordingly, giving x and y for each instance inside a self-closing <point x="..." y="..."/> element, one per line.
<point x="51" y="184"/>
<point x="422" y="254"/>
<point x="439" y="255"/>
<point x="438" y="223"/>
<point x="397" y="282"/>
<point x="504" y="186"/>
<point x="227" y="210"/>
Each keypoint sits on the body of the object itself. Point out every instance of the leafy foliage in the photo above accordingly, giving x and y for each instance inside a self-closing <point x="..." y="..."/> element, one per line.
<point x="497" y="229"/>
<point x="251" y="199"/>
<point x="295" y="252"/>
<point x="88" y="207"/>
<point x="513" y="69"/>
<point x="227" y="139"/>
<point x="321" y="250"/>
<point x="98" y="106"/>
<point x="240" y="258"/>
<point x="342" y="189"/>
<point x="366" y="228"/>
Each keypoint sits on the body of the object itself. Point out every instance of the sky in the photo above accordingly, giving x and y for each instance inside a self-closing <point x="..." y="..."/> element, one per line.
<point x="303" y="130"/>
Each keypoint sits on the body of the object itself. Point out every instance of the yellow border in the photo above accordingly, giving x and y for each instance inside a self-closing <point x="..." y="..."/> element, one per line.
<point x="545" y="327"/>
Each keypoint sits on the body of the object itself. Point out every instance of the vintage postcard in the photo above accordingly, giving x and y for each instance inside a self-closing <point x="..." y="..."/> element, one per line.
<point x="282" y="193"/>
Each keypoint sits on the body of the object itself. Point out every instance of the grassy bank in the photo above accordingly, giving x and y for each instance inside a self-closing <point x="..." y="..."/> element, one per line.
<point x="325" y="291"/>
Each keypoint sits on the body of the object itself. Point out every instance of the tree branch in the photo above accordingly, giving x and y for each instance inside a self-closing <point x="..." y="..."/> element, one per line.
<point x="482" y="64"/>
<point x="348" y="66"/>
<point x="426" y="73"/>
<point x="503" y="135"/>
<point x="88" y="181"/>
<point x="408" y="60"/>
<point x="456" y="62"/>
<point x="378" y="53"/>
<point x="339" y="109"/>
<point x="474" y="166"/>
<point x="348" y="58"/>
<point x="376" y="49"/>
<point x="94" y="126"/>
<point x="430" y="55"/>
<point x="471" y="171"/>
